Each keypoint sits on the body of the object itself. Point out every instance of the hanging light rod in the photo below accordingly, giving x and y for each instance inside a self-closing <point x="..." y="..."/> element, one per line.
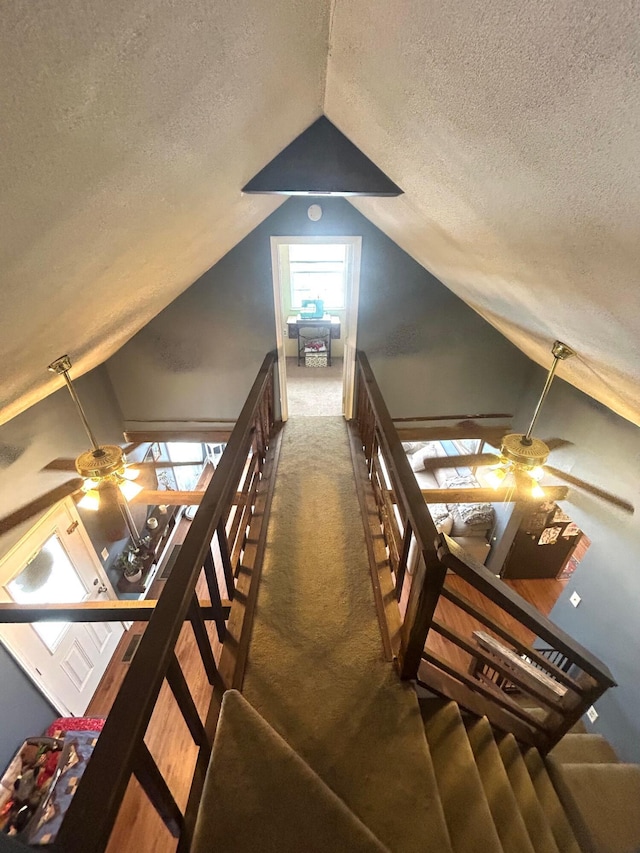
<point x="524" y="454"/>
<point x="103" y="466"/>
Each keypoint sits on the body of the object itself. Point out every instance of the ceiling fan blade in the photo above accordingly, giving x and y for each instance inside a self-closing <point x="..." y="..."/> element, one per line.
<point x="591" y="489"/>
<point x="39" y="505"/>
<point x="60" y="465"/>
<point x="464" y="460"/>
<point x="557" y="443"/>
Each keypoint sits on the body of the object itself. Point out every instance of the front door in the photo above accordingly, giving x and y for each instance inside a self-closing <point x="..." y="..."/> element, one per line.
<point x="56" y="563"/>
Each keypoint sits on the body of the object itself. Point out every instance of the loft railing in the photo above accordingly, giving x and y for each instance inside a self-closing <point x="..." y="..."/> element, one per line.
<point x="452" y="634"/>
<point x="220" y="527"/>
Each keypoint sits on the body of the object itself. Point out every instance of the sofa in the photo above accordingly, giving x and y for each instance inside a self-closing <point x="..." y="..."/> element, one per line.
<point x="469" y="525"/>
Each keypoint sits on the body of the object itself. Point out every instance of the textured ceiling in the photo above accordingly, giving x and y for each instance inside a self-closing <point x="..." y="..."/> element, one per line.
<point x="128" y="129"/>
<point x="514" y="130"/>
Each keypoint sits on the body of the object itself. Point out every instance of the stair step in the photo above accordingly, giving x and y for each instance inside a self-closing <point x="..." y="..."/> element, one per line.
<point x="584" y="749"/>
<point x="502" y="802"/>
<point x="465" y="805"/>
<point x="550" y="802"/>
<point x="533" y="814"/>
<point x="602" y="802"/>
<point x="539" y="713"/>
<point x="259" y="794"/>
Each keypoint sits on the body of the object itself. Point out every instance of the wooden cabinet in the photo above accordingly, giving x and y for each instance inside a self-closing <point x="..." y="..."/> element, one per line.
<point x="541" y="547"/>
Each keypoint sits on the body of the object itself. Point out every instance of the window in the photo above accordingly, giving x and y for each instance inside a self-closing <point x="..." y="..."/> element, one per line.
<point x="318" y="271"/>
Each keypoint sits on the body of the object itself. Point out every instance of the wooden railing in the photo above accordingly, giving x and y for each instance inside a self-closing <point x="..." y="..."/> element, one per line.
<point x="450" y="630"/>
<point x="219" y="528"/>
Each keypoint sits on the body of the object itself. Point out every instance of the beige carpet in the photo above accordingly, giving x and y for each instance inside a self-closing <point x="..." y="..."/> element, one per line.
<point x="314" y="391"/>
<point x="241" y="814"/>
<point x="316" y="671"/>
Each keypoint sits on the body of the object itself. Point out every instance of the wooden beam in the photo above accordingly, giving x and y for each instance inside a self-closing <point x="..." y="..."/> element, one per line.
<point x="490" y="496"/>
<point x="491" y="434"/>
<point x="169" y="497"/>
<point x="461" y="418"/>
<point x="211" y="435"/>
<point x="94" y="611"/>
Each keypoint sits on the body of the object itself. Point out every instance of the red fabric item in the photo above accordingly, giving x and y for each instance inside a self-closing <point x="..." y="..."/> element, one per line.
<point x="75" y="724"/>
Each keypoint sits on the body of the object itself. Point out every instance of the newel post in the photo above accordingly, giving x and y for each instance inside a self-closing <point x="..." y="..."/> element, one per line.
<point x="423" y="600"/>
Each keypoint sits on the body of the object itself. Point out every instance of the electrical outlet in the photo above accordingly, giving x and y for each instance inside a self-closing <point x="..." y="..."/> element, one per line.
<point x="104" y="554"/>
<point x="575" y="599"/>
<point x="592" y="714"/>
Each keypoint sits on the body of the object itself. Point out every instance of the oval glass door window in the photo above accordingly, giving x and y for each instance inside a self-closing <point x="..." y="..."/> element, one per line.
<point x="49" y="578"/>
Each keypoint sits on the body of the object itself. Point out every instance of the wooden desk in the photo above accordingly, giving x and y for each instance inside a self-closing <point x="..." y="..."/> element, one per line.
<point x="327" y="327"/>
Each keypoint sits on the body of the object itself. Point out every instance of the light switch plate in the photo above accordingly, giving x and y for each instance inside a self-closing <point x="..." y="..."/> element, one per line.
<point x="575" y="599"/>
<point x="592" y="714"/>
<point x="104" y="554"/>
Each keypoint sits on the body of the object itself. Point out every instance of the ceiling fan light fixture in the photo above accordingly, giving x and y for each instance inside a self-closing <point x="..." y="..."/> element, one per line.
<point x="129" y="489"/>
<point x="536" y="490"/>
<point x="90" y="500"/>
<point x="131" y="473"/>
<point x="102" y="462"/>
<point x="495" y="477"/>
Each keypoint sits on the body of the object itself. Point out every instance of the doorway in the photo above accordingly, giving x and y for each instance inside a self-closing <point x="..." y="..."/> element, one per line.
<point x="316" y="287"/>
<point x="56" y="563"/>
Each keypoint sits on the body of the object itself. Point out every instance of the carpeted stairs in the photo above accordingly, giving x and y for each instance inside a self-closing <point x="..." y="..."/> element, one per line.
<point x="328" y="751"/>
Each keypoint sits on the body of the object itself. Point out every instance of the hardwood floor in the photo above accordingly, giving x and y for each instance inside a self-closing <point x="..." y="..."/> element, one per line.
<point x="138" y="828"/>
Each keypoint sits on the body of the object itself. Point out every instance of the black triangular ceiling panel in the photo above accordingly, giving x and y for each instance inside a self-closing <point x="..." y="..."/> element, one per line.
<point x="322" y="161"/>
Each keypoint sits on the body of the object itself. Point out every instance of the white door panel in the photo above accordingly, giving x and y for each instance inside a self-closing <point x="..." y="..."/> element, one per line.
<point x="56" y="563"/>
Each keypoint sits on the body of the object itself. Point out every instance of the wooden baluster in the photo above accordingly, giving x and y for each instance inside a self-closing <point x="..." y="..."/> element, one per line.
<point x="153" y="784"/>
<point x="223" y="543"/>
<point x="180" y="689"/>
<point x="404" y="556"/>
<point x="204" y="645"/>
<point x="214" y="593"/>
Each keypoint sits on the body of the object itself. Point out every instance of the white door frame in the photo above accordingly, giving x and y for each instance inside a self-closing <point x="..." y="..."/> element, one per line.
<point x="36" y="537"/>
<point x="351" y="323"/>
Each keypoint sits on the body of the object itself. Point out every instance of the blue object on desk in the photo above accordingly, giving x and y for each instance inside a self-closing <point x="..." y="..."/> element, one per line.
<point x="312" y="309"/>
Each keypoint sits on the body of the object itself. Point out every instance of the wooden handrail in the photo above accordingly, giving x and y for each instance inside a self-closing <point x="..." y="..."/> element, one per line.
<point x="417" y="515"/>
<point x="91" y="611"/>
<point x="95" y="805"/>
<point x="535" y="655"/>
<point x="420" y="584"/>
<point x="470" y="570"/>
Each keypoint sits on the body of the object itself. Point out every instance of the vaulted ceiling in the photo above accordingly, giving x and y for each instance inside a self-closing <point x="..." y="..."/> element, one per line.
<point x="128" y="130"/>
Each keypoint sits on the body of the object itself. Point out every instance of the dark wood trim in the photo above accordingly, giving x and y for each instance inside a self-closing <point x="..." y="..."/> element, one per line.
<point x="456" y="559"/>
<point x="152" y="781"/>
<point x="103" y="785"/>
<point x="484" y="704"/>
<point x="479" y="654"/>
<point x="462" y="418"/>
<point x="381" y="578"/>
<point x="493" y="435"/>
<point x="180" y="689"/>
<point x="94" y="611"/>
<point x="465" y="604"/>
<point x="236" y="650"/>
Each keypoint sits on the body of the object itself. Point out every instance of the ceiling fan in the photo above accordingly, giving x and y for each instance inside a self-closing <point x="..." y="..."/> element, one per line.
<point x="522" y="460"/>
<point x="105" y="481"/>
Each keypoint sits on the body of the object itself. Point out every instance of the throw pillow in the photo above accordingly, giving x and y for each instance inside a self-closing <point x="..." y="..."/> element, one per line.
<point x="476" y="515"/>
<point x="445" y="525"/>
<point x="416" y="460"/>
<point x="458" y="482"/>
<point x="438" y="512"/>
